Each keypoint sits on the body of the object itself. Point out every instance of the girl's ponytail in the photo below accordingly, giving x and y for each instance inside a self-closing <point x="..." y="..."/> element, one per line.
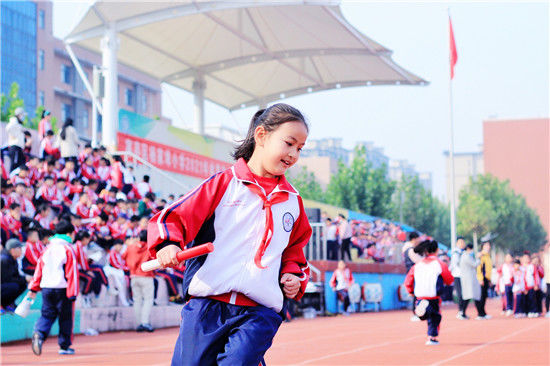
<point x="270" y="119"/>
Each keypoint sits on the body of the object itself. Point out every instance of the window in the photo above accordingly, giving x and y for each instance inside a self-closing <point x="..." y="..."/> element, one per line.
<point x="84" y="120"/>
<point x="66" y="112"/>
<point x="41" y="19"/>
<point x="41" y="101"/>
<point x="144" y="103"/>
<point x="66" y="74"/>
<point x="41" y="59"/>
<point x="128" y="97"/>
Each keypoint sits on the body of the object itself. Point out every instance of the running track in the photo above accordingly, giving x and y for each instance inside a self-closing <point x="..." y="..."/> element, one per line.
<point x="386" y="338"/>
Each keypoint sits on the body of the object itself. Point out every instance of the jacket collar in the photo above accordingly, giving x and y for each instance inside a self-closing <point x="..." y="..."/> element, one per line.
<point x="242" y="172"/>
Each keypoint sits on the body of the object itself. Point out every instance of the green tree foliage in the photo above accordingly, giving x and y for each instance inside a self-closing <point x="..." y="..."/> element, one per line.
<point x="307" y="185"/>
<point x="514" y="225"/>
<point x="420" y="209"/>
<point x="8" y="103"/>
<point x="475" y="214"/>
<point x="361" y="188"/>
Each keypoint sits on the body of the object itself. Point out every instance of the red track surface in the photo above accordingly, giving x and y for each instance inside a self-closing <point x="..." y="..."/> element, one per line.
<point x="386" y="338"/>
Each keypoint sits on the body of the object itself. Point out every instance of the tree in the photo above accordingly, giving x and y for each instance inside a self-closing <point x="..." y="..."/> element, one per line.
<point x="415" y="206"/>
<point x="361" y="188"/>
<point x="516" y="226"/>
<point x="475" y="215"/>
<point x="307" y="185"/>
<point x="8" y="103"/>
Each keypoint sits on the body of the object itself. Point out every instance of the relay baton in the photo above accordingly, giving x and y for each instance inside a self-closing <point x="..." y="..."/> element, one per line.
<point x="181" y="256"/>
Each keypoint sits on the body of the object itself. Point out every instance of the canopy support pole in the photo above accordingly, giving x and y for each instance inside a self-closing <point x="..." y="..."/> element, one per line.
<point x="199" y="85"/>
<point x="109" y="46"/>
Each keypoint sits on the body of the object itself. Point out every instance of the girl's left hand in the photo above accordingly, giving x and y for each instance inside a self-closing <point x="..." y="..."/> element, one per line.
<point x="291" y="285"/>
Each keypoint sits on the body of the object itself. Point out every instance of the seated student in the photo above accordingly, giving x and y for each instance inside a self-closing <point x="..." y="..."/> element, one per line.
<point x="20" y="175"/>
<point x="172" y="285"/>
<point x="45" y="217"/>
<point x="12" y="283"/>
<point x="47" y="192"/>
<point x="11" y="223"/>
<point x="86" y="277"/>
<point x="425" y="280"/>
<point x="118" y="272"/>
<point x="341" y="281"/>
<point x="33" y="250"/>
<point x="48" y="148"/>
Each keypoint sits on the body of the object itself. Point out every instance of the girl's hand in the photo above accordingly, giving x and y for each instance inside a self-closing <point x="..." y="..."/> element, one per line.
<point x="167" y="256"/>
<point x="291" y="285"/>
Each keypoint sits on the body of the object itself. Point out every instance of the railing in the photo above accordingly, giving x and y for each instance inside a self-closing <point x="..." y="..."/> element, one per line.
<point x="151" y="166"/>
<point x="316" y="249"/>
<point x="316" y="271"/>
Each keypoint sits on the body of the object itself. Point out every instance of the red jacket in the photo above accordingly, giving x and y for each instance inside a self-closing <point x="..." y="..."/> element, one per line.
<point x="135" y="255"/>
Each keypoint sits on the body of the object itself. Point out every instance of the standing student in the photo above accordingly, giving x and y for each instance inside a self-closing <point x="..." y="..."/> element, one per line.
<point x="258" y="226"/>
<point x="455" y="271"/>
<point x="345" y="231"/>
<point x="141" y="282"/>
<point x="484" y="272"/>
<point x="341" y="281"/>
<point x="471" y="289"/>
<point x="546" y="267"/>
<point x="57" y="276"/>
<point x="410" y="257"/>
<point x="519" y="290"/>
<point x="68" y="142"/>
<point x="506" y="272"/>
<point x="16" y="138"/>
<point x="532" y="283"/>
<point x="539" y="294"/>
<point x="332" y="240"/>
<point x="426" y="280"/>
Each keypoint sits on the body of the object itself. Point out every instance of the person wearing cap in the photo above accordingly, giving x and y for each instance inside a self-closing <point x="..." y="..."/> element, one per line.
<point x="45" y="123"/>
<point x="13" y="284"/>
<point x="16" y="138"/>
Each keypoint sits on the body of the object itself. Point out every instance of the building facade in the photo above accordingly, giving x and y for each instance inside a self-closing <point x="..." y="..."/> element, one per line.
<point x="48" y="77"/>
<point x="329" y="147"/>
<point x="19" y="22"/>
<point x="399" y="168"/>
<point x="519" y="151"/>
<point x="468" y="166"/>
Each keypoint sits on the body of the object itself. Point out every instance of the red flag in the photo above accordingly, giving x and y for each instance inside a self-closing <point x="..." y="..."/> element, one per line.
<point x="453" y="56"/>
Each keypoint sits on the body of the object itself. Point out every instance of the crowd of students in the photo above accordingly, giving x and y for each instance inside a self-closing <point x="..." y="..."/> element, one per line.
<point x="100" y="197"/>
<point x="376" y="241"/>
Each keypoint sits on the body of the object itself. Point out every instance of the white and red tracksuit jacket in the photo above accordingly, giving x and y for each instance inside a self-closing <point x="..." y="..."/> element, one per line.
<point x="347" y="277"/>
<point x="116" y="261"/>
<point x="33" y="251"/>
<point x="57" y="267"/>
<point x="225" y="211"/>
<point x="423" y="277"/>
<point x="532" y="278"/>
<point x="519" y="280"/>
<point x="80" y="256"/>
<point x="506" y="272"/>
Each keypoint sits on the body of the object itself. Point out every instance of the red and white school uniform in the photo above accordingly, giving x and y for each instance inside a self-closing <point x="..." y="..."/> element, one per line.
<point x="506" y="283"/>
<point x="104" y="173"/>
<point x="88" y="172"/>
<point x="11" y="226"/>
<point x="423" y="280"/>
<point x="82" y="210"/>
<point x="255" y="224"/>
<point x="57" y="276"/>
<point x="48" y="194"/>
<point x="32" y="253"/>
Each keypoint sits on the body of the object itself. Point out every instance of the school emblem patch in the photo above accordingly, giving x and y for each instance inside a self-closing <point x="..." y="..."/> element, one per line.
<point x="288" y="221"/>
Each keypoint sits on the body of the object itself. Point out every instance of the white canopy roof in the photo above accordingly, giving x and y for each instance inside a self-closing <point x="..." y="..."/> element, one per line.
<point x="247" y="52"/>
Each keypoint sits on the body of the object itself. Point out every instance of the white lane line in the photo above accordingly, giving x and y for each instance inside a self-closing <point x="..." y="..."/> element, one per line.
<point x="486" y="344"/>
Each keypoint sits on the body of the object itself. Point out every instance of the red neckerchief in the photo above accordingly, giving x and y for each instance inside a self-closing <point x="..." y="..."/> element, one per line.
<point x="276" y="197"/>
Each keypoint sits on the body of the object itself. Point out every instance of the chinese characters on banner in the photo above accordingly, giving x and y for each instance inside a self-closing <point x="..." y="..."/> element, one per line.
<point x="169" y="158"/>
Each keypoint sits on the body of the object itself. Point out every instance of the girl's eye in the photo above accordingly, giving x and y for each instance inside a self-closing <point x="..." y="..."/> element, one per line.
<point x="288" y="143"/>
<point x="299" y="149"/>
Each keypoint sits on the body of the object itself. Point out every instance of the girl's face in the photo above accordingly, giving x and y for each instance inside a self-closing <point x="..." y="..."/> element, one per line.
<point x="280" y="149"/>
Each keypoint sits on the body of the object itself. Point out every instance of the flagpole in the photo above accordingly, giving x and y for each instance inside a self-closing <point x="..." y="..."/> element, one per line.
<point x="451" y="143"/>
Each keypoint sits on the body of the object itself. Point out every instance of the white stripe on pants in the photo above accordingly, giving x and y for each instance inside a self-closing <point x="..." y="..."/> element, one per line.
<point x="143" y="289"/>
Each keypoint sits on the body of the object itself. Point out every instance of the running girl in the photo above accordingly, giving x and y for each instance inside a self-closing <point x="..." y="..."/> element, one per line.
<point x="257" y="223"/>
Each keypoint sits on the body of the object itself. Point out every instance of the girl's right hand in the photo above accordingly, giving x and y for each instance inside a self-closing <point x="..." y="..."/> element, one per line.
<point x="167" y="256"/>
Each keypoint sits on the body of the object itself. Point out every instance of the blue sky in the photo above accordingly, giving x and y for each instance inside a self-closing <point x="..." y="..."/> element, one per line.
<point x="502" y="72"/>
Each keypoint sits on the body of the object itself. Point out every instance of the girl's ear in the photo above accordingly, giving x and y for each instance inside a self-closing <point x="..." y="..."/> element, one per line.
<point x="259" y="135"/>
